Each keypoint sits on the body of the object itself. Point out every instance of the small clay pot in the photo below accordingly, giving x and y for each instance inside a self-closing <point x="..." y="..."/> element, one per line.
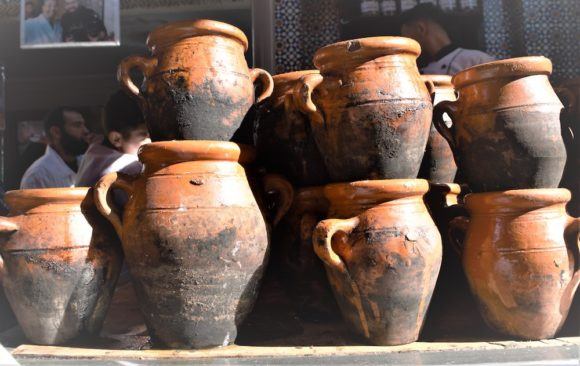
<point x="300" y="270"/>
<point x="438" y="165"/>
<point x="370" y="111"/>
<point x="283" y="137"/>
<point x="521" y="258"/>
<point x="197" y="85"/>
<point x="382" y="254"/>
<point x="59" y="273"/>
<point x="506" y="125"/>
<point x="195" y="240"/>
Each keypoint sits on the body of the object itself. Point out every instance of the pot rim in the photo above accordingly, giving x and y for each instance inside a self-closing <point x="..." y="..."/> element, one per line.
<point x="363" y="50"/>
<point x="176" y="31"/>
<point x="509" y="68"/>
<point x="384" y="189"/>
<point x="23" y="199"/>
<point x="516" y="199"/>
<point x="174" y="152"/>
<point x="440" y="81"/>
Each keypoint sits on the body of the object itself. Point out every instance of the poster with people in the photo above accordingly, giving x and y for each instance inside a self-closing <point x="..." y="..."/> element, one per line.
<point x="69" y="23"/>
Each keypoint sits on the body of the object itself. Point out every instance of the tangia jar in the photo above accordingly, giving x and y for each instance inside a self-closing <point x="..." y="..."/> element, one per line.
<point x="369" y="109"/>
<point x="382" y="254"/>
<point x="301" y="272"/>
<point x="438" y="165"/>
<point x="197" y="85"/>
<point x="194" y="238"/>
<point x="521" y="258"/>
<point x="283" y="137"/>
<point x="505" y="130"/>
<point x="59" y="272"/>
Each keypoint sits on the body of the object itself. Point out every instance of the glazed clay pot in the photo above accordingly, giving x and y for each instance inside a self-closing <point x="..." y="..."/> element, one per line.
<point x="521" y="258"/>
<point x="283" y="137"/>
<point x="59" y="272"/>
<point x="197" y="85"/>
<point x="369" y="109"/>
<point x="382" y="254"/>
<point x="438" y="165"/>
<point x="194" y="238"/>
<point x="506" y="125"/>
<point x="300" y="271"/>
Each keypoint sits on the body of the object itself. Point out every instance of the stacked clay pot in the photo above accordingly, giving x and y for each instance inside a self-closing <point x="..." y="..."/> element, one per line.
<point x="61" y="261"/>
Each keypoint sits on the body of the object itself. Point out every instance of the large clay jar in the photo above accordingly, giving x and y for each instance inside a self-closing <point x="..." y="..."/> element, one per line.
<point x="438" y="165"/>
<point x="197" y="85"/>
<point x="283" y="137"/>
<point x="521" y="258"/>
<point x="59" y="273"/>
<point x="382" y="254"/>
<point x="194" y="239"/>
<point x="301" y="271"/>
<point x="369" y="109"/>
<point x="506" y="125"/>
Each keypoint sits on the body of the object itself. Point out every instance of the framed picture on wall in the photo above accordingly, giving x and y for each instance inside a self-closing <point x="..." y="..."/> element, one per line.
<point x="69" y="23"/>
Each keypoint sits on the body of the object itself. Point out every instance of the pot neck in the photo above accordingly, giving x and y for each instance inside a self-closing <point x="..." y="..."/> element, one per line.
<point x="517" y="202"/>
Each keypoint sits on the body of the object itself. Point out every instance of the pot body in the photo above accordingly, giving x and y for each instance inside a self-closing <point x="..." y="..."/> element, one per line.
<point x="506" y="130"/>
<point x="197" y="84"/>
<point x="384" y="260"/>
<point x="60" y="272"/>
<point x="519" y="266"/>
<point x="438" y="165"/>
<point x="195" y="241"/>
<point x="284" y="138"/>
<point x="373" y="111"/>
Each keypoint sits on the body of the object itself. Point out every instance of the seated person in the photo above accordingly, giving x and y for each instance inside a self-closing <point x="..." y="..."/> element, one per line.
<point x="125" y="132"/>
<point x="67" y="136"/>
<point x="425" y="24"/>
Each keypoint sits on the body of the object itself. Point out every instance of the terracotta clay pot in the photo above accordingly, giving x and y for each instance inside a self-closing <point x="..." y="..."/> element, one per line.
<point x="195" y="240"/>
<point x="521" y="258"/>
<point x="300" y="271"/>
<point x="369" y="109"/>
<point x="382" y="254"/>
<point x="438" y="165"/>
<point x="506" y="125"/>
<point x="283" y="137"/>
<point x="59" y="272"/>
<point x="197" y="85"/>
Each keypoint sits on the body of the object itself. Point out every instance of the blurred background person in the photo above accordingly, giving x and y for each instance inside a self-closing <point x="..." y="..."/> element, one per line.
<point x="125" y="133"/>
<point x="425" y="24"/>
<point x="45" y="28"/>
<point x="67" y="136"/>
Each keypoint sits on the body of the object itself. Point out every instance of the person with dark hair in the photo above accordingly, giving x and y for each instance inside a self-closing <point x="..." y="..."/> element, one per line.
<point x="45" y="28"/>
<point x="81" y="24"/>
<point x="125" y="132"/>
<point x="67" y="136"/>
<point x="425" y="24"/>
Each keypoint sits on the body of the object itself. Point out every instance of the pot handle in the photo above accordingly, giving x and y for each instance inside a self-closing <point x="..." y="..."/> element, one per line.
<point x="266" y="81"/>
<point x="7" y="226"/>
<point x="302" y="95"/>
<point x="276" y="183"/>
<point x="322" y="240"/>
<point x="431" y="88"/>
<point x="457" y="228"/>
<point x="449" y="107"/>
<point x="102" y="197"/>
<point x="573" y="239"/>
<point x="146" y="65"/>
<point x="568" y="98"/>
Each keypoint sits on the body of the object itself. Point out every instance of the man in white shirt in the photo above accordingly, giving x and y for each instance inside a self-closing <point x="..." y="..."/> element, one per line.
<point x="424" y="23"/>
<point x="125" y="132"/>
<point x="67" y="134"/>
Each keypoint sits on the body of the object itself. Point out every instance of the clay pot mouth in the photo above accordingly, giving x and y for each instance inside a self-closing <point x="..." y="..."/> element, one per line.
<point x="26" y="199"/>
<point x="516" y="200"/>
<point x="175" y="152"/>
<point x="440" y="81"/>
<point x="311" y="197"/>
<point x="445" y="188"/>
<point x="174" y="32"/>
<point x="375" y="190"/>
<point x="511" y="68"/>
<point x="358" y="51"/>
